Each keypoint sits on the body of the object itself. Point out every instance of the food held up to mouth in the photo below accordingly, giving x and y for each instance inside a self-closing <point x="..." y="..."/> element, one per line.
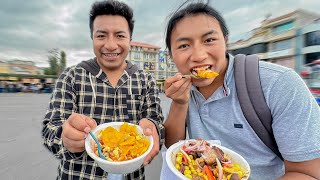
<point x="204" y="72"/>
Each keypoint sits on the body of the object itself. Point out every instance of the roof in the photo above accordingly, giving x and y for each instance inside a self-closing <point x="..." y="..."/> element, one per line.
<point x="281" y="17"/>
<point x="291" y="14"/>
<point x="145" y="45"/>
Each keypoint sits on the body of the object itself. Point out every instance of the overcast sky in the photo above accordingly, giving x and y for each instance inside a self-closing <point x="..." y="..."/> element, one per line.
<point x="28" y="29"/>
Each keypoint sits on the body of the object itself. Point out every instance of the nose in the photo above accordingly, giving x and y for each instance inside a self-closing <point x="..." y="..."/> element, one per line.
<point x="199" y="53"/>
<point x="111" y="44"/>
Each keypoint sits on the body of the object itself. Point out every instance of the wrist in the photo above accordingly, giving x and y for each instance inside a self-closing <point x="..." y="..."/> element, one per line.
<point x="180" y="104"/>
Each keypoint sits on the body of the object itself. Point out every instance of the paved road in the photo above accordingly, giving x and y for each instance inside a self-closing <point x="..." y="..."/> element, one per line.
<point x="22" y="155"/>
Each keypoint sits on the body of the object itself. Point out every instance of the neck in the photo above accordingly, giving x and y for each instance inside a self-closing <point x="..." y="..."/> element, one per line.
<point x="114" y="74"/>
<point x="207" y="91"/>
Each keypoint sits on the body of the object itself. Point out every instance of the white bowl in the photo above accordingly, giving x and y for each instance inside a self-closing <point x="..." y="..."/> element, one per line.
<point x="174" y="149"/>
<point x="121" y="167"/>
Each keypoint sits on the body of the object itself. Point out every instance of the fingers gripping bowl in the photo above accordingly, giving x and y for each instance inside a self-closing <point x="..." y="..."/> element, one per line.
<point x="199" y="159"/>
<point x="122" y="150"/>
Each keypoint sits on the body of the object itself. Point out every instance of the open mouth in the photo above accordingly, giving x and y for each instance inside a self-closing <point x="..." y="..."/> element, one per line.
<point x="204" y="72"/>
<point x="111" y="54"/>
<point x="196" y="70"/>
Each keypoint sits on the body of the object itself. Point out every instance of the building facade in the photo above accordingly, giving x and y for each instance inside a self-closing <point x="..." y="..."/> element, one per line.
<point x="9" y="70"/>
<point x="282" y="40"/>
<point x="152" y="59"/>
<point x="145" y="56"/>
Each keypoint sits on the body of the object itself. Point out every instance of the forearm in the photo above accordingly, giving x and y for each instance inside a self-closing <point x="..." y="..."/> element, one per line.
<point x="175" y="124"/>
<point x="51" y="134"/>
<point x="61" y="105"/>
<point x="296" y="175"/>
<point x="152" y="109"/>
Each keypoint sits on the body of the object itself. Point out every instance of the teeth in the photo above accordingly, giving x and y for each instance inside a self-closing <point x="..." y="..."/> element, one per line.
<point x="201" y="68"/>
<point x="111" y="54"/>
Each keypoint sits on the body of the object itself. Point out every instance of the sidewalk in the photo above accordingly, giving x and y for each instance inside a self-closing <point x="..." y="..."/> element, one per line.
<point x="22" y="154"/>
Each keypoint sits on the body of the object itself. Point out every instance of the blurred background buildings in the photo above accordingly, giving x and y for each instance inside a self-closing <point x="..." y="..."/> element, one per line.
<point x="291" y="40"/>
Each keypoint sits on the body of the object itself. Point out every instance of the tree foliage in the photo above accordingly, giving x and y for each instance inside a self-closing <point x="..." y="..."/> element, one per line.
<point x="57" y="60"/>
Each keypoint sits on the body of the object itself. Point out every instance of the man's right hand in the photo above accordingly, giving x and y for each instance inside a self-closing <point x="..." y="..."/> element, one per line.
<point x="178" y="88"/>
<point x="75" y="130"/>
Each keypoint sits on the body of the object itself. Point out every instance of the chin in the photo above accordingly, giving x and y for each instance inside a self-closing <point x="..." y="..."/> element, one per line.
<point x="202" y="83"/>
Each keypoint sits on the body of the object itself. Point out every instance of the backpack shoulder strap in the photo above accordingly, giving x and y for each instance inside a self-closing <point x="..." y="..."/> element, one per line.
<point x="252" y="101"/>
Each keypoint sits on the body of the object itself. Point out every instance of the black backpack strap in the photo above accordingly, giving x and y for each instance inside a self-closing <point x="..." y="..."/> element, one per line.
<point x="252" y="101"/>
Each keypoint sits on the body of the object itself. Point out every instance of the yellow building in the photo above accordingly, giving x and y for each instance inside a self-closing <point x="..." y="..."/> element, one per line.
<point x="15" y="70"/>
<point x="23" y="67"/>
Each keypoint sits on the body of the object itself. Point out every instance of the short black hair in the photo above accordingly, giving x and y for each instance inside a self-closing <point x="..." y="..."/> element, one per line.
<point x="193" y="9"/>
<point x="111" y="7"/>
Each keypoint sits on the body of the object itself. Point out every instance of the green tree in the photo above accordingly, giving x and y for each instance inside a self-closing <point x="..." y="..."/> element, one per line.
<point x="63" y="61"/>
<point x="57" y="60"/>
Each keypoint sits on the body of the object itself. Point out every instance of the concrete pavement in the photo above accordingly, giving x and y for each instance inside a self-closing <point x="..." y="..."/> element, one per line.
<point x="22" y="155"/>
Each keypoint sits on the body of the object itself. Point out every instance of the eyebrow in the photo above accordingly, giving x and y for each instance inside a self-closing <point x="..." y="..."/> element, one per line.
<point x="101" y="31"/>
<point x="204" y="35"/>
<point x="105" y="32"/>
<point x="210" y="32"/>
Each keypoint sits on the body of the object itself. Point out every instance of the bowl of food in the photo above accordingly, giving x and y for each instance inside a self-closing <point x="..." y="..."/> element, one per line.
<point x="123" y="144"/>
<point x="200" y="159"/>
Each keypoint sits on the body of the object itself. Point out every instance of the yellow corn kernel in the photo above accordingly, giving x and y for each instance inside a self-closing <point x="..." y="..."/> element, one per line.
<point x="191" y="157"/>
<point x="194" y="171"/>
<point x="138" y="137"/>
<point x="229" y="176"/>
<point x="106" y="149"/>
<point x="116" y="153"/>
<point x="186" y="167"/>
<point x="186" y="172"/>
<point x="179" y="154"/>
<point x="188" y="176"/>
<point x="177" y="166"/>
<point x="200" y="174"/>
<point x="198" y="170"/>
<point x="179" y="159"/>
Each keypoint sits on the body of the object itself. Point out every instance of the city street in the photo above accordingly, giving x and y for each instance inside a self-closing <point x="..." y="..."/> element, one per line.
<point x="22" y="155"/>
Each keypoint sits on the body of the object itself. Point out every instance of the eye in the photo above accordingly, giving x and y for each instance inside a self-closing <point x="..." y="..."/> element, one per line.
<point x="183" y="46"/>
<point x="100" y="36"/>
<point x="210" y="40"/>
<point x="121" y="36"/>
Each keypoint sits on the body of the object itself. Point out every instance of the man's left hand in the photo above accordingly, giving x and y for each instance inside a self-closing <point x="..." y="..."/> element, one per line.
<point x="150" y="129"/>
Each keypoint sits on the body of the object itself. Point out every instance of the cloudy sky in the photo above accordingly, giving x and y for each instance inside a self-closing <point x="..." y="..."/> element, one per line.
<point x="28" y="29"/>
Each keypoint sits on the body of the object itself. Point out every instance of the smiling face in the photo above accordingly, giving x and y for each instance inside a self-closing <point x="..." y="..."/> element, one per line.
<point x="111" y="42"/>
<point x="197" y="42"/>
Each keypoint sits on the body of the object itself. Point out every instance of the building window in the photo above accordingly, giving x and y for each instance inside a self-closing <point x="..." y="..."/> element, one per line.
<point x="258" y="48"/>
<point x="312" y="56"/>
<point x="282" y="45"/>
<point x="136" y="55"/>
<point x="312" y="38"/>
<point x="254" y="49"/>
<point x="282" y="28"/>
